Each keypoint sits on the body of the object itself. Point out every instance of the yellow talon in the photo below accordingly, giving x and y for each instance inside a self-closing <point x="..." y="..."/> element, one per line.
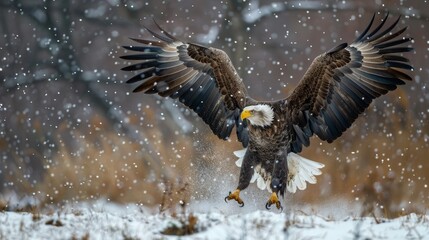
<point x="274" y="200"/>
<point x="236" y="196"/>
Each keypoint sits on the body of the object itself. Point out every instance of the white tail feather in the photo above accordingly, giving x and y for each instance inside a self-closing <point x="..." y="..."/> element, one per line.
<point x="240" y="155"/>
<point x="301" y="171"/>
<point x="260" y="182"/>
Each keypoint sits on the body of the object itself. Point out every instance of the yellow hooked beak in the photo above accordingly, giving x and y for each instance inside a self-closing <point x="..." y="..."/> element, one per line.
<point x="245" y="114"/>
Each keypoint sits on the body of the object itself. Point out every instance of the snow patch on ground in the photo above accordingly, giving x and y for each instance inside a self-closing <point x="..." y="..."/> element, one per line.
<point x="103" y="220"/>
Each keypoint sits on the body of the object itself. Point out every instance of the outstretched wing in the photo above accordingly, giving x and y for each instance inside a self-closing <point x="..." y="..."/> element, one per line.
<point x="202" y="78"/>
<point x="340" y="84"/>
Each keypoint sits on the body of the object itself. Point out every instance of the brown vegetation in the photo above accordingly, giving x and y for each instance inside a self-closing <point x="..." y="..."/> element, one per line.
<point x="187" y="226"/>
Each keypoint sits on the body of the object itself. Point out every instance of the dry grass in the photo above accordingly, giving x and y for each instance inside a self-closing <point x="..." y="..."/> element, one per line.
<point x="384" y="172"/>
<point x="187" y="226"/>
<point x="173" y="194"/>
<point x="95" y="172"/>
<point x="53" y="222"/>
<point x="3" y="205"/>
<point x="98" y="163"/>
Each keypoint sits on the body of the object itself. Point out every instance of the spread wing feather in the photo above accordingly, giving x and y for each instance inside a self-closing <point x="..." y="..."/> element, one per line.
<point x="202" y="78"/>
<point x="340" y="84"/>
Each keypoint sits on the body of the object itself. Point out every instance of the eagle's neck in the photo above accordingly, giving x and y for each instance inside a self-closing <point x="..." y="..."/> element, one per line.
<point x="263" y="115"/>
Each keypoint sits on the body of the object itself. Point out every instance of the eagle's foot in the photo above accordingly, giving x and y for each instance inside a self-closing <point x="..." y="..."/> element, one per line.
<point x="273" y="200"/>
<point x="236" y="196"/>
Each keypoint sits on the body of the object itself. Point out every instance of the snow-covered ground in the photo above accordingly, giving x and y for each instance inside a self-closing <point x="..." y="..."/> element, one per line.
<point x="103" y="220"/>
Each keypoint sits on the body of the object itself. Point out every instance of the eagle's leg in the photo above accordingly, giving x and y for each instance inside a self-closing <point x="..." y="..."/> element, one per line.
<point x="278" y="181"/>
<point x="273" y="200"/>
<point x="246" y="173"/>
<point x="236" y="196"/>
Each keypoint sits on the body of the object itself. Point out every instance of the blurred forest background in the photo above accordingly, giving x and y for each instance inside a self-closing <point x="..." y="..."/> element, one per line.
<point x="71" y="130"/>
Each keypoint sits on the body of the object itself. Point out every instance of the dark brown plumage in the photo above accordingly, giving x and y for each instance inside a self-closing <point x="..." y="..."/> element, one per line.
<point x="337" y="87"/>
<point x="200" y="77"/>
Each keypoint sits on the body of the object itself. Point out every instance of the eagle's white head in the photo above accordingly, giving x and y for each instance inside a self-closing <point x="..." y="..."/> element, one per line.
<point x="261" y="115"/>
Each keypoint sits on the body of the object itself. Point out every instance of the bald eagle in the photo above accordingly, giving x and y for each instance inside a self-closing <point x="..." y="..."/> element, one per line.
<point x="338" y="86"/>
